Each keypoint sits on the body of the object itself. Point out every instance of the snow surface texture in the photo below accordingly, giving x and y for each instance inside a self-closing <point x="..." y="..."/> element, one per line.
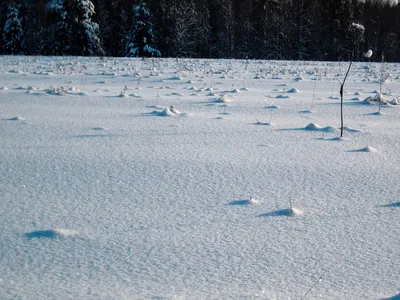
<point x="101" y="198"/>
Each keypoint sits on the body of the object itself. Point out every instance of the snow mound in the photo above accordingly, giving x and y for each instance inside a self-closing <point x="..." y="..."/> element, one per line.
<point x="281" y="96"/>
<point x="60" y="91"/>
<point x="298" y="79"/>
<point x="192" y="88"/>
<point x="339" y="138"/>
<point x="264" y="123"/>
<point x="377" y="98"/>
<point x="250" y="201"/>
<point x="253" y="201"/>
<point x="395" y="101"/>
<point x="295" y="212"/>
<point x="51" y="233"/>
<point x="293" y="90"/>
<point x="316" y="127"/>
<point x="169" y="112"/>
<point x="135" y="95"/>
<point x="313" y="126"/>
<point x="174" y="110"/>
<point x="166" y="113"/>
<point x="378" y="113"/>
<point x="349" y="129"/>
<point x="17" y="119"/>
<point x="368" y="149"/>
<point x="177" y="94"/>
<point x="4" y="88"/>
<point x="223" y="99"/>
<point x="367" y="101"/>
<point x="289" y="212"/>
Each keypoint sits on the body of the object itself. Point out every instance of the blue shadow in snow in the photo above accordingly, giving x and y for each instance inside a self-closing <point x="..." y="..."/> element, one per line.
<point x="81" y="136"/>
<point x="397" y="297"/>
<point x="50" y="234"/>
<point x="277" y="213"/>
<point x="395" y="204"/>
<point x="239" y="202"/>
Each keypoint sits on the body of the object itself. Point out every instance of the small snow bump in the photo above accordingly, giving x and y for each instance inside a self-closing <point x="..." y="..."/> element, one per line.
<point x="313" y="126"/>
<point x="222" y="99"/>
<point x="293" y="90"/>
<point x="50" y="233"/>
<point x="264" y="123"/>
<point x="17" y="119"/>
<point x="281" y="96"/>
<point x="349" y="129"/>
<point x="135" y="95"/>
<point x="368" y="149"/>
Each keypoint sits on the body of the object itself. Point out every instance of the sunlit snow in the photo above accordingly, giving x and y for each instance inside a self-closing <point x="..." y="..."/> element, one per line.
<point x="149" y="179"/>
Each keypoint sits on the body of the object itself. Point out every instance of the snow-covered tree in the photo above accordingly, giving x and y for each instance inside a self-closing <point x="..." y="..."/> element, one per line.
<point x="71" y="31"/>
<point x="140" y="38"/>
<point x="85" y="39"/>
<point x="12" y="33"/>
<point x="58" y="34"/>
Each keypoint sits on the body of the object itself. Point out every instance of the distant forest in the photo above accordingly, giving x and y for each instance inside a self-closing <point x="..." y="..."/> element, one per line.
<point x="250" y="29"/>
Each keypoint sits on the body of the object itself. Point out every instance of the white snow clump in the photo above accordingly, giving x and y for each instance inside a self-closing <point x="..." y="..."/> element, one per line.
<point x="358" y="26"/>
<point x="368" y="54"/>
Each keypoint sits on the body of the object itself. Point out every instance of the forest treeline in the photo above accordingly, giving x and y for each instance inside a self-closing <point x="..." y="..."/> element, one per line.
<point x="251" y="29"/>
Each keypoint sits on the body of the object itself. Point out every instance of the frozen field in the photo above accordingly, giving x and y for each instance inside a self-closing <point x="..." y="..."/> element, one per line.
<point x="108" y="192"/>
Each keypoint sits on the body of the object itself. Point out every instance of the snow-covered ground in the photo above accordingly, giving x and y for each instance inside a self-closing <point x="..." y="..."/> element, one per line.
<point x="108" y="192"/>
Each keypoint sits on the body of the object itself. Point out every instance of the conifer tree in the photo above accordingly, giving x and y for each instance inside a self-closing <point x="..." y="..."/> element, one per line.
<point x="140" y="38"/>
<point x="71" y="31"/>
<point x="57" y="36"/>
<point x="85" y="39"/>
<point x="12" y="33"/>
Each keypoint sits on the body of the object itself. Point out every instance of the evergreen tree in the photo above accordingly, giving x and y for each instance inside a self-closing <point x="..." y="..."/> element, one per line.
<point x="85" y="39"/>
<point x="140" y="38"/>
<point x="111" y="17"/>
<point x="12" y="33"/>
<point x="71" y="31"/>
<point x="32" y="25"/>
<point x="57" y="36"/>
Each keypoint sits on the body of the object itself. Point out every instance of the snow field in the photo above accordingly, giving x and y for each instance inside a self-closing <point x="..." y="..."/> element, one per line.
<point x="108" y="197"/>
